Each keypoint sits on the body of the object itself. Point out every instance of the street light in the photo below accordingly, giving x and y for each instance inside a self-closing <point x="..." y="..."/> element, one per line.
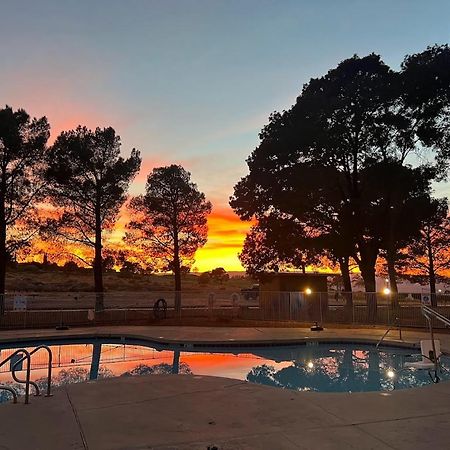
<point x="308" y="291"/>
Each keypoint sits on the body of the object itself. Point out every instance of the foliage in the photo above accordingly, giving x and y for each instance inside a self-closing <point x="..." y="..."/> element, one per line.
<point x="336" y="164"/>
<point x="88" y="181"/>
<point x="277" y="243"/>
<point x="429" y="252"/>
<point x="220" y="275"/>
<point x="169" y="220"/>
<point x="22" y="149"/>
<point x="158" y="369"/>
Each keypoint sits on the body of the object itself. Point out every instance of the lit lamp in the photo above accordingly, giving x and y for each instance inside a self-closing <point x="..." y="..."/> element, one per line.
<point x="386" y="291"/>
<point x="316" y="326"/>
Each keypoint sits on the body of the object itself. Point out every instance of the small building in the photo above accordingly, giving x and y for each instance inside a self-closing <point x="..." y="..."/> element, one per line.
<point x="293" y="282"/>
<point x="294" y="296"/>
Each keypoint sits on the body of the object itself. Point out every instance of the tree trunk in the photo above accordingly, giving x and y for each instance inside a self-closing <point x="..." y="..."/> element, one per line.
<point x="347" y="282"/>
<point x="345" y="272"/>
<point x="98" y="264"/>
<point x="367" y="267"/>
<point x="431" y="272"/>
<point x="3" y="256"/>
<point x="392" y="273"/>
<point x="95" y="362"/>
<point x="177" y="275"/>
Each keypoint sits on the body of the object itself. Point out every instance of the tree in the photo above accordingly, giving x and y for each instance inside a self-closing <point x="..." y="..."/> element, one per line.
<point x="22" y="149"/>
<point x="425" y="87"/>
<point x="220" y="274"/>
<point x="429" y="252"/>
<point x="310" y="159"/>
<point x="399" y="200"/>
<point x="274" y="244"/>
<point x="126" y="263"/>
<point x="71" y="266"/>
<point x="170" y="220"/>
<point x="316" y="162"/>
<point x="88" y="182"/>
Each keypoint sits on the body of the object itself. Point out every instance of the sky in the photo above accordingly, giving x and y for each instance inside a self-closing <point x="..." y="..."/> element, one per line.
<point x="193" y="82"/>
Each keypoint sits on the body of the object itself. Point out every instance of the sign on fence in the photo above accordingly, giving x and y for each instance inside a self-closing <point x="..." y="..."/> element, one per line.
<point x="425" y="299"/>
<point x="20" y="303"/>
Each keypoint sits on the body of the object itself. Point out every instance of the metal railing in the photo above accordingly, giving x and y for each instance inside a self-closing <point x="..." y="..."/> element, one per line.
<point x="431" y="314"/>
<point x="396" y="326"/>
<point x="59" y="309"/>
<point x="16" y="364"/>
<point x="27" y="357"/>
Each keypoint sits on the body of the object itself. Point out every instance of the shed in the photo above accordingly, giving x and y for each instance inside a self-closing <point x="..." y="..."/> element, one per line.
<point x="293" y="282"/>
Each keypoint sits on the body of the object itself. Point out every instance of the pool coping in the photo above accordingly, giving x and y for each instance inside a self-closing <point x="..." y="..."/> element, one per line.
<point x="182" y="343"/>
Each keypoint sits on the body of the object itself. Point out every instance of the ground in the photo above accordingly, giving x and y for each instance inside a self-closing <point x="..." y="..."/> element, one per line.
<point x="194" y="412"/>
<point x="38" y="278"/>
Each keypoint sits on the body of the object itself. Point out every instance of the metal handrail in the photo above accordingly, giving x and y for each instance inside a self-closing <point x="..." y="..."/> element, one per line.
<point x="27" y="356"/>
<point x="27" y="379"/>
<point x="430" y="313"/>
<point x="397" y="325"/>
<point x="37" y="392"/>
<point x="49" y="369"/>
<point x="10" y="389"/>
<point x="427" y="312"/>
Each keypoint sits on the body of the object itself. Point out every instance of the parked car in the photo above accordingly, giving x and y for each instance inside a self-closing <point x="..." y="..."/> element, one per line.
<point x="251" y="293"/>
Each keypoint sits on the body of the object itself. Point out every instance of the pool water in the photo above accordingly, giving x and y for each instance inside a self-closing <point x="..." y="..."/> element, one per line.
<point x="321" y="367"/>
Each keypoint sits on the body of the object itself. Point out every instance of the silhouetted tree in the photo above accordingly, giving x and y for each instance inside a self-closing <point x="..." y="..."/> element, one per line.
<point x="425" y="96"/>
<point x="169" y="220"/>
<point x="333" y="130"/>
<point x="398" y="199"/>
<point x="220" y="274"/>
<point x="70" y="266"/>
<point x="88" y="182"/>
<point x="274" y="244"/>
<point x="314" y="160"/>
<point x="429" y="253"/>
<point x="22" y="148"/>
<point x="157" y="369"/>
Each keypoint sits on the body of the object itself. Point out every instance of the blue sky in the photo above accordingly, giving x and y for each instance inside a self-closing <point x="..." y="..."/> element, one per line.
<point x="193" y="81"/>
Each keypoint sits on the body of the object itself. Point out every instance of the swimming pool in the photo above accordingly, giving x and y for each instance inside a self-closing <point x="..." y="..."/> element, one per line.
<point x="310" y="366"/>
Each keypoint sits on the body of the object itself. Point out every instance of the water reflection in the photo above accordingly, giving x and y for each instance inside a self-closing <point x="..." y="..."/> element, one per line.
<point x="325" y="368"/>
<point x="346" y="370"/>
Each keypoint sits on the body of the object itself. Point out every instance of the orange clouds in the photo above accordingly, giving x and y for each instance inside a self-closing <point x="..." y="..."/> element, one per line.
<point x="226" y="234"/>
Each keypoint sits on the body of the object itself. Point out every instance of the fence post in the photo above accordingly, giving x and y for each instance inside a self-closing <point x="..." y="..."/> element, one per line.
<point x="353" y="313"/>
<point x="320" y="308"/>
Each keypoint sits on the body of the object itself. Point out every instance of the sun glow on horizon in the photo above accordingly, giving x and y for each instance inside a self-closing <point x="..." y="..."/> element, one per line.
<point x="226" y="234"/>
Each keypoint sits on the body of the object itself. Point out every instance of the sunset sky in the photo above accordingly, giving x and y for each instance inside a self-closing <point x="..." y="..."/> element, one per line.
<point x="192" y="82"/>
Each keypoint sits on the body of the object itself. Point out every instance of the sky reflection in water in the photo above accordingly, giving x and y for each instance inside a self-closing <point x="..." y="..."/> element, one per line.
<point x="320" y="367"/>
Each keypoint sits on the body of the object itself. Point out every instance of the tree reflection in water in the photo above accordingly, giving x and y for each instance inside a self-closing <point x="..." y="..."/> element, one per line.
<point x="158" y="369"/>
<point x="343" y="370"/>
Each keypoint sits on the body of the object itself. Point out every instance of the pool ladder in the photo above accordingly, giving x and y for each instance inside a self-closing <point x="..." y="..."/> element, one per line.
<point x="395" y="326"/>
<point x="26" y="356"/>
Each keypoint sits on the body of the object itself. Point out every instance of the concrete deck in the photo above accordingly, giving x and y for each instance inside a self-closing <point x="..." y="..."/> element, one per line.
<point x="195" y="412"/>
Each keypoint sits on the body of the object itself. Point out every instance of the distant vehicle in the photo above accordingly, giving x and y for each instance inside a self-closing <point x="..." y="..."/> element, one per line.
<point x="251" y="293"/>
